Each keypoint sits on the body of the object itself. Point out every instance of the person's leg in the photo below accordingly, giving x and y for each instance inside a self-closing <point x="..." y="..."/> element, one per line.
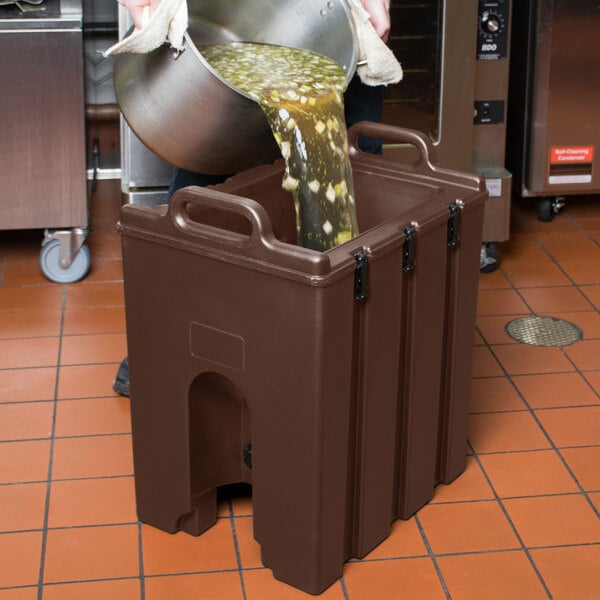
<point x="179" y="179"/>
<point x="364" y="103"/>
<point x="121" y="381"/>
<point x="182" y="178"/>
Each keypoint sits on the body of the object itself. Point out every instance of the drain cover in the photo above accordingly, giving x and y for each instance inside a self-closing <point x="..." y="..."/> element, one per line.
<point x="544" y="331"/>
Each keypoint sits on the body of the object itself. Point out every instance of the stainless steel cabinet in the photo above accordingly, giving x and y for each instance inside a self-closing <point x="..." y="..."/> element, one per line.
<point x="42" y="146"/>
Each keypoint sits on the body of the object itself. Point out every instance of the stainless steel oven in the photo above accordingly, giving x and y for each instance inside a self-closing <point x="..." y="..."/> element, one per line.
<point x="455" y="56"/>
<point x="554" y="120"/>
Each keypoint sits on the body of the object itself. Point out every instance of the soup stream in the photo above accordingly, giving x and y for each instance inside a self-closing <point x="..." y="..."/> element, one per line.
<point x="301" y="94"/>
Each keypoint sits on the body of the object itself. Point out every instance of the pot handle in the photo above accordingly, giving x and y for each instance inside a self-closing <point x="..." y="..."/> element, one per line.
<point x="396" y="135"/>
<point x="260" y="244"/>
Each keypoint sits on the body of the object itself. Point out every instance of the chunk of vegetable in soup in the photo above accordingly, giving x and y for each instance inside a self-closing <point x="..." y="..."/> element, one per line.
<point x="301" y="94"/>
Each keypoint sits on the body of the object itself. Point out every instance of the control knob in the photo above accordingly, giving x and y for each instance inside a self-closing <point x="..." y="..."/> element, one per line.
<point x="490" y="23"/>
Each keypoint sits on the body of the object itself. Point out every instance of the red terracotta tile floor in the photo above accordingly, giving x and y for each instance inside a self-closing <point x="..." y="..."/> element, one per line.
<point x="522" y="522"/>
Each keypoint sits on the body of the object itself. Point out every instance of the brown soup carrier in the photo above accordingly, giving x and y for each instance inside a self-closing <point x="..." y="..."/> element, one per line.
<point x="336" y="383"/>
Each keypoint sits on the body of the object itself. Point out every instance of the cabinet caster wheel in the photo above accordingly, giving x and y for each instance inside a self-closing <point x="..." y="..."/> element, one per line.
<point x="548" y="207"/>
<point x="489" y="257"/>
<point x="50" y="263"/>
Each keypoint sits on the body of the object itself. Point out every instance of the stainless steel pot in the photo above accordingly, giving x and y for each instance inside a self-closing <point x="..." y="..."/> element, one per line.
<point x="188" y="115"/>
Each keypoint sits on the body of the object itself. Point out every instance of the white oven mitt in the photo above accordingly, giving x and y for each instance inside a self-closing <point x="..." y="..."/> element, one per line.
<point x="168" y="23"/>
<point x="377" y="64"/>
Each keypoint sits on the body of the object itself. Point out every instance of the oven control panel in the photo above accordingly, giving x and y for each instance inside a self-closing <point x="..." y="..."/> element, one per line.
<point x="492" y="31"/>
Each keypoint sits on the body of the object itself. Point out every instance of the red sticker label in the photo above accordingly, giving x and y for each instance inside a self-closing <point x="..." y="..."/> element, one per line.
<point x="571" y="154"/>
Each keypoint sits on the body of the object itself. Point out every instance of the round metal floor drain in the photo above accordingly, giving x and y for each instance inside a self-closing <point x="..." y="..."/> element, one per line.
<point x="544" y="331"/>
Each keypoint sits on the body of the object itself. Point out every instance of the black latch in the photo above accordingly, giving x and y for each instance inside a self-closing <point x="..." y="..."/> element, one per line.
<point x="410" y="236"/>
<point x="248" y="455"/>
<point x="361" y="277"/>
<point x="454" y="225"/>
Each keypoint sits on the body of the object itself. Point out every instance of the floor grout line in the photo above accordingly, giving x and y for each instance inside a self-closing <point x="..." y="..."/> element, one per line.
<point x="142" y="575"/>
<point x="252" y="569"/>
<point x="67" y="437"/>
<point x="51" y="456"/>
<point x="249" y="516"/>
<point x="236" y="546"/>
<point x="432" y="556"/>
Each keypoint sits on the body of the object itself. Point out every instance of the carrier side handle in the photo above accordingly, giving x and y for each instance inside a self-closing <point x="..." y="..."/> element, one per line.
<point x="240" y="226"/>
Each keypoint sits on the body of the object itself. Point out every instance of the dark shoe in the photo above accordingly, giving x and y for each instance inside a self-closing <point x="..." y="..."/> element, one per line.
<point x="489" y="257"/>
<point x="121" y="382"/>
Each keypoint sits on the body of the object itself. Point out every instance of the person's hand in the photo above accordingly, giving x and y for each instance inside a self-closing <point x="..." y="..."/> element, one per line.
<point x="380" y="16"/>
<point x="136" y="9"/>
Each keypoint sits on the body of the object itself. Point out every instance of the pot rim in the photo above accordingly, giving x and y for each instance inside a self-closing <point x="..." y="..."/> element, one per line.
<point x="350" y="70"/>
<point x="189" y="43"/>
